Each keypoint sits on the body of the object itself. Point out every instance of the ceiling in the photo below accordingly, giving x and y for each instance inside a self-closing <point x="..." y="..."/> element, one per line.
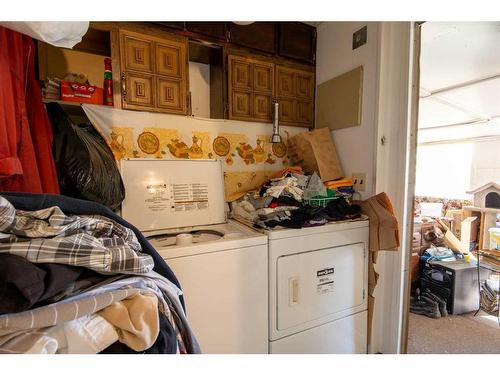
<point x="459" y="73"/>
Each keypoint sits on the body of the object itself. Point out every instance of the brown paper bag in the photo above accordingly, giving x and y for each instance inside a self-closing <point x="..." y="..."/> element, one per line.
<point x="315" y="151"/>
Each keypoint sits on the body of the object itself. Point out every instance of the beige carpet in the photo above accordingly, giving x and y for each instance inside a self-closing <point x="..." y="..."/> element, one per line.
<point x="458" y="334"/>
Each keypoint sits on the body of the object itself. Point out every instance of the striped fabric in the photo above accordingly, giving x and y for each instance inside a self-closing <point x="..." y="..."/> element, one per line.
<point x="18" y="330"/>
<point x="50" y="236"/>
<point x="60" y="312"/>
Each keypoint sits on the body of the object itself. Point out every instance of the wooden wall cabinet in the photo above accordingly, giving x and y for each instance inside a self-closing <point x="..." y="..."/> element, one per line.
<point x="295" y="93"/>
<point x="251" y="89"/>
<point x="154" y="72"/>
<point x="151" y="71"/>
<point x="253" y="84"/>
<point x="297" y="40"/>
<point x="257" y="35"/>
<point x="212" y="29"/>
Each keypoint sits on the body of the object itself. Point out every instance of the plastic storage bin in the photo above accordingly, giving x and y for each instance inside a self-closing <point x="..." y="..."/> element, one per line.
<point x="494" y="238"/>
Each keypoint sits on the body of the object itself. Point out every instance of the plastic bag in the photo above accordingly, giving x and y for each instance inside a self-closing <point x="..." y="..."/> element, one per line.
<point x="85" y="165"/>
<point x="60" y="34"/>
<point x="315" y="187"/>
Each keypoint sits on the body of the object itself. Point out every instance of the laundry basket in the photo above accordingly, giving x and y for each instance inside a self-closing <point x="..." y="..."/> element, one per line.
<point x="321" y="201"/>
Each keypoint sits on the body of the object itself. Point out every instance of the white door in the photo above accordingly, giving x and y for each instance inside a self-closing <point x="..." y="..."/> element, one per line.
<point x="226" y="296"/>
<point x="320" y="283"/>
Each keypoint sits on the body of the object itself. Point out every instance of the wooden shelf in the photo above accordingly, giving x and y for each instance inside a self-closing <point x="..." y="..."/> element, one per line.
<point x="62" y="102"/>
<point x="480" y="209"/>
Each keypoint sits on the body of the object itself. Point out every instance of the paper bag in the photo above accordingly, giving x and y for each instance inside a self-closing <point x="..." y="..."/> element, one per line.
<point x="315" y="151"/>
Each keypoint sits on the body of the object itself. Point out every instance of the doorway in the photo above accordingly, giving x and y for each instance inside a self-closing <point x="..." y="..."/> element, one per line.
<point x="457" y="166"/>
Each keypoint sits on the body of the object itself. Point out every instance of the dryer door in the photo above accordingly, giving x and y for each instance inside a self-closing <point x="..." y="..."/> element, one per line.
<point x="315" y="284"/>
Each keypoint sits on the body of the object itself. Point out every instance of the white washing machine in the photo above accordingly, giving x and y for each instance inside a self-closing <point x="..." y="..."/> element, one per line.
<point x="222" y="265"/>
<point x="318" y="289"/>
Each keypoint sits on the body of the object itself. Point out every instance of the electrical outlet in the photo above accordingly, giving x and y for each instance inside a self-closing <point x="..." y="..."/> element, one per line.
<point x="359" y="180"/>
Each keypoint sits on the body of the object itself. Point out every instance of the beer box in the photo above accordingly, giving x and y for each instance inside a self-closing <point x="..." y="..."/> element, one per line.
<point x="81" y="93"/>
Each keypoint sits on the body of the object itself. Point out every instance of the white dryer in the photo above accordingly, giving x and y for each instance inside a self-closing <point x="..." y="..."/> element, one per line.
<point x="222" y="265"/>
<point x="318" y="289"/>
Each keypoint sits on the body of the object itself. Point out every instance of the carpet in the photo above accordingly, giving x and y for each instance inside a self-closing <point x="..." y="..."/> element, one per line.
<point x="455" y="334"/>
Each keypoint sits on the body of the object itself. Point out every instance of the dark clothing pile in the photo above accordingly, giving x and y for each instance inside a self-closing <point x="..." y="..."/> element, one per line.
<point x="307" y="216"/>
<point x="287" y="202"/>
<point x="83" y="284"/>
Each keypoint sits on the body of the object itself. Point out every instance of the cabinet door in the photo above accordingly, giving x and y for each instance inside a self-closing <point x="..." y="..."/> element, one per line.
<point x="297" y="40"/>
<point x="304" y="112"/>
<point x="170" y="95"/>
<point x="170" y="59"/>
<point x="263" y="77"/>
<point x="262" y="107"/>
<point x="286" y="110"/>
<point x="285" y="82"/>
<point x="304" y="85"/>
<point x="139" y="90"/>
<point x="257" y="35"/>
<point x="240" y="105"/>
<point x="137" y="53"/>
<point x="241" y="73"/>
<point x="295" y="93"/>
<point x="213" y="29"/>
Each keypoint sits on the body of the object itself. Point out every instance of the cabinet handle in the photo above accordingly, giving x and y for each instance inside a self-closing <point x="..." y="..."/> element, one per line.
<point x="124" y="87"/>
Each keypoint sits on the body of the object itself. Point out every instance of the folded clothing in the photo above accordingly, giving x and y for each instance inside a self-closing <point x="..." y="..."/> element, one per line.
<point x="50" y="236"/>
<point x="88" y="334"/>
<point x="73" y="206"/>
<point x="24" y="284"/>
<point x="135" y="319"/>
<point x="165" y="342"/>
<point x="336" y="184"/>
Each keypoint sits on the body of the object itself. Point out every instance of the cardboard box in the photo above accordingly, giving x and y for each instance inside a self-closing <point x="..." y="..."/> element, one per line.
<point x="80" y="93"/>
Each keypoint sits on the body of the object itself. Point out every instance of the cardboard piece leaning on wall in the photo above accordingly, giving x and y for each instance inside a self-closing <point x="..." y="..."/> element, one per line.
<point x="339" y="101"/>
<point x="315" y="151"/>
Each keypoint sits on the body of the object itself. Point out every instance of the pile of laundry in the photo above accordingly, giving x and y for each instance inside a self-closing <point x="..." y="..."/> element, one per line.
<point x="285" y="199"/>
<point x="83" y="284"/>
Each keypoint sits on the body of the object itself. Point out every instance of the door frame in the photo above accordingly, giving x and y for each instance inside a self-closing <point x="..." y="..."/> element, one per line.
<point x="396" y="142"/>
<point x="412" y="166"/>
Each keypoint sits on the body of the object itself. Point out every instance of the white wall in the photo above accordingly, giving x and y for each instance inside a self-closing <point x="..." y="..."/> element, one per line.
<point x="355" y="145"/>
<point x="449" y="170"/>
<point x="199" y="85"/>
<point x="384" y="112"/>
<point x="485" y="163"/>
<point x="444" y="170"/>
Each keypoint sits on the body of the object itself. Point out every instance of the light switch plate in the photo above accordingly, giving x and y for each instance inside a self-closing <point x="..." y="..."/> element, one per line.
<point x="359" y="37"/>
<point x="359" y="180"/>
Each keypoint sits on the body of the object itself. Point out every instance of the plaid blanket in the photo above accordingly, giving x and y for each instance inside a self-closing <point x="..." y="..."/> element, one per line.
<point x="50" y="236"/>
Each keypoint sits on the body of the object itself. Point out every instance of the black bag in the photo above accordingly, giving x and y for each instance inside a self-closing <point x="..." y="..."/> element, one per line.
<point x="85" y="165"/>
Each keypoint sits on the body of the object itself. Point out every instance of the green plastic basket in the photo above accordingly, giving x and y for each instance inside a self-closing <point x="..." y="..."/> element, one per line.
<point x="321" y="201"/>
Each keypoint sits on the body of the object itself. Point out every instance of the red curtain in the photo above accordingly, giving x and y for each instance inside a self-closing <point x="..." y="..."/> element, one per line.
<point x="26" y="162"/>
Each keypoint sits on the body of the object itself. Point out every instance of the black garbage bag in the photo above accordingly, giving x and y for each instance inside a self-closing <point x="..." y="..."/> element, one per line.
<point x="85" y="164"/>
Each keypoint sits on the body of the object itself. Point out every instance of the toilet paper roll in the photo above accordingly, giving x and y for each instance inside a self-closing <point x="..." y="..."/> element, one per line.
<point x="184" y="239"/>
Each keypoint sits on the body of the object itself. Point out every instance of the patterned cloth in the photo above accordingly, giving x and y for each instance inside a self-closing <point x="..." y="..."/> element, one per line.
<point x="60" y="312"/>
<point x="50" y="236"/>
<point x="19" y="329"/>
